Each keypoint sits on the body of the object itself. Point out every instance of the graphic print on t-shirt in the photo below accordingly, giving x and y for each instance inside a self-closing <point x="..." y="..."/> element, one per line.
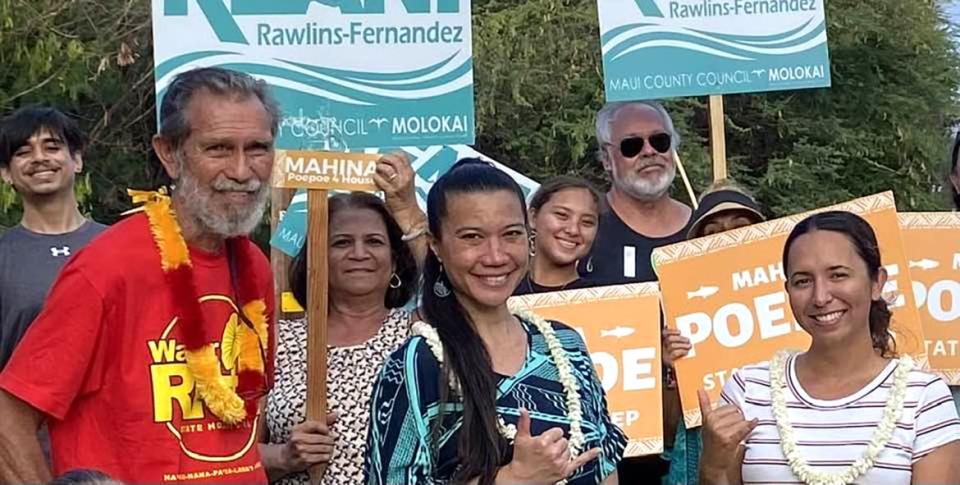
<point x="177" y="404"/>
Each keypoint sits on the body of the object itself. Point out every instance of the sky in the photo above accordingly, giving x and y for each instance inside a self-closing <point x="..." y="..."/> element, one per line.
<point x="953" y="10"/>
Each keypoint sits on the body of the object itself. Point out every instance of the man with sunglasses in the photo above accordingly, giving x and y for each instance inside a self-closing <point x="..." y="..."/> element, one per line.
<point x="636" y="144"/>
<point x="155" y="344"/>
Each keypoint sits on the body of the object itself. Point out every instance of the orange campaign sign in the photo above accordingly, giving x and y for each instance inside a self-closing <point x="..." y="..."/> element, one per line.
<point x="325" y="170"/>
<point x="621" y="327"/>
<point x="932" y="242"/>
<point x="726" y="294"/>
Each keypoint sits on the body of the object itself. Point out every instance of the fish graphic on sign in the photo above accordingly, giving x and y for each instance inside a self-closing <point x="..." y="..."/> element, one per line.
<point x="703" y="292"/>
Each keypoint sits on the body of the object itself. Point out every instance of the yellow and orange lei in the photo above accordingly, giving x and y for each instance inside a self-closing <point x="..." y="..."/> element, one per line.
<point x="232" y="404"/>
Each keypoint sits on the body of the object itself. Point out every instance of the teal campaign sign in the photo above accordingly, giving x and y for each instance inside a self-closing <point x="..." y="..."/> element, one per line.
<point x="666" y="48"/>
<point x="429" y="164"/>
<point x="349" y="74"/>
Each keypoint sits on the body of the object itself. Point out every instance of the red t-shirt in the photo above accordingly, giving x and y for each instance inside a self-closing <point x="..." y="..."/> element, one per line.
<point x="104" y="362"/>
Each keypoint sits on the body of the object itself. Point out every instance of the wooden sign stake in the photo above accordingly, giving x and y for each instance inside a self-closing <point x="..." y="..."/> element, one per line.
<point x="718" y="141"/>
<point x="318" y="172"/>
<point x="686" y="180"/>
<point x="317" y="313"/>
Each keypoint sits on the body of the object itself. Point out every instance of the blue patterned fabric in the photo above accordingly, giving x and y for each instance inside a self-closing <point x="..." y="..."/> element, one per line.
<point x="684" y="457"/>
<point x="406" y="407"/>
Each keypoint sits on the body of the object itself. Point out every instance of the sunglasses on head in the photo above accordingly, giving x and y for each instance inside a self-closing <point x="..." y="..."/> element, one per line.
<point x="632" y="146"/>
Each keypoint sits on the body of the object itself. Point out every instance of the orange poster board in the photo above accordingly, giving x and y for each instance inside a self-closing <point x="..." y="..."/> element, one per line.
<point x="726" y="293"/>
<point x="325" y="170"/>
<point x="621" y="327"/>
<point x="932" y="242"/>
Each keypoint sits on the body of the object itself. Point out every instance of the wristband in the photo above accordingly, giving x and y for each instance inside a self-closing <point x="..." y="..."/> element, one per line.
<point x="413" y="234"/>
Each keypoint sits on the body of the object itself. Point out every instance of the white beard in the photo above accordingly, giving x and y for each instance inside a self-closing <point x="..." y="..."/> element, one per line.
<point x="230" y="221"/>
<point x="645" y="189"/>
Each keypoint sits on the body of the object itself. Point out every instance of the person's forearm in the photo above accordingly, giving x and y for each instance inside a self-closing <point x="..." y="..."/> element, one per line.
<point x="271" y="456"/>
<point x="21" y="458"/>
<point x="503" y="477"/>
<point x="672" y="414"/>
<point x="714" y="476"/>
<point x="412" y="220"/>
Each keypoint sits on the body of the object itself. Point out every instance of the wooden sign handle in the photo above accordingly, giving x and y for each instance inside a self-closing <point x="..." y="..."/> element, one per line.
<point x="317" y="313"/>
<point x="718" y="141"/>
<point x="686" y="180"/>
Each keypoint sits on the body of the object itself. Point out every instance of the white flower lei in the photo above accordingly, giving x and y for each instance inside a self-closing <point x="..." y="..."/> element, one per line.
<point x="882" y="435"/>
<point x="570" y="386"/>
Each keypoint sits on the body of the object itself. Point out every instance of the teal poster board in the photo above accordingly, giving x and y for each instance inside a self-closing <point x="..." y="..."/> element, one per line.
<point x="349" y="74"/>
<point x="667" y="48"/>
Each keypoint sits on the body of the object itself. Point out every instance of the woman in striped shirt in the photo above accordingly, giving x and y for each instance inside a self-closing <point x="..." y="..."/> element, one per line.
<point x="849" y="409"/>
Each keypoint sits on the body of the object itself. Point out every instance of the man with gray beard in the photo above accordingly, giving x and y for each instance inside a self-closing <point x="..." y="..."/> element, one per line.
<point x="636" y="145"/>
<point x="155" y="345"/>
<point x="636" y="142"/>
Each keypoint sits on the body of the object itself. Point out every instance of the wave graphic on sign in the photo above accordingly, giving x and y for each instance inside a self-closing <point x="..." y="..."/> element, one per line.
<point x="360" y="88"/>
<point x="631" y="38"/>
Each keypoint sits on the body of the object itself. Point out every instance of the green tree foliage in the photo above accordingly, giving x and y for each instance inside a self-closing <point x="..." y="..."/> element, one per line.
<point x="883" y="125"/>
<point x="93" y="60"/>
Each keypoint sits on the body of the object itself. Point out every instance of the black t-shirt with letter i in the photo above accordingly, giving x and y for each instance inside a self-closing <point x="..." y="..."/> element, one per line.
<point x="621" y="255"/>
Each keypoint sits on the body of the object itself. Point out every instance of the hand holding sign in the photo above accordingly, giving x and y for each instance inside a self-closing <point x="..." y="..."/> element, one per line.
<point x="724" y="431"/>
<point x="543" y="459"/>
<point x="395" y="177"/>
<point x="675" y="346"/>
<point x="311" y="443"/>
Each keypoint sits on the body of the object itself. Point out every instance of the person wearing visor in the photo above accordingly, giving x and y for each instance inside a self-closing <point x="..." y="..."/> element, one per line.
<point x="724" y="206"/>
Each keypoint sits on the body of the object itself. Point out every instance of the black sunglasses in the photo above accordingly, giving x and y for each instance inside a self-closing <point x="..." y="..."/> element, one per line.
<point x="632" y="146"/>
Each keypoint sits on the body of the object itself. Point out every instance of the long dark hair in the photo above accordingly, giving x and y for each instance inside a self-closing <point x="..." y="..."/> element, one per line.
<point x="864" y="240"/>
<point x="405" y="265"/>
<point x="481" y="449"/>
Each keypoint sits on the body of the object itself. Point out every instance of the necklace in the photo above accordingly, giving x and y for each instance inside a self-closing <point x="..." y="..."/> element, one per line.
<point x="535" y="287"/>
<point x="882" y="435"/>
<point x="557" y="355"/>
<point x="230" y="403"/>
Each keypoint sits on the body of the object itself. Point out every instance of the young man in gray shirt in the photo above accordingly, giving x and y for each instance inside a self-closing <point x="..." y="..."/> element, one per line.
<point x="40" y="156"/>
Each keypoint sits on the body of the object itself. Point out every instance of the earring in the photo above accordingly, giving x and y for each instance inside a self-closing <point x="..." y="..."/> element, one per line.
<point x="533" y="242"/>
<point x="395" y="281"/>
<point x="439" y="287"/>
<point x="590" y="264"/>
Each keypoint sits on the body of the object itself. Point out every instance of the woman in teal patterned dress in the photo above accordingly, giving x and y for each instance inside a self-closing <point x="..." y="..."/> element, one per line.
<point x="484" y="395"/>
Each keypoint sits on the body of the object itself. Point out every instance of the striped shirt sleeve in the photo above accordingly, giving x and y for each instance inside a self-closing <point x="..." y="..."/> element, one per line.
<point x="936" y="422"/>
<point x="734" y="390"/>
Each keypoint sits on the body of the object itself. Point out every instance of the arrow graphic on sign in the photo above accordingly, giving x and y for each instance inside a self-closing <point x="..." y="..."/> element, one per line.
<point x="618" y="332"/>
<point x="924" y="264"/>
